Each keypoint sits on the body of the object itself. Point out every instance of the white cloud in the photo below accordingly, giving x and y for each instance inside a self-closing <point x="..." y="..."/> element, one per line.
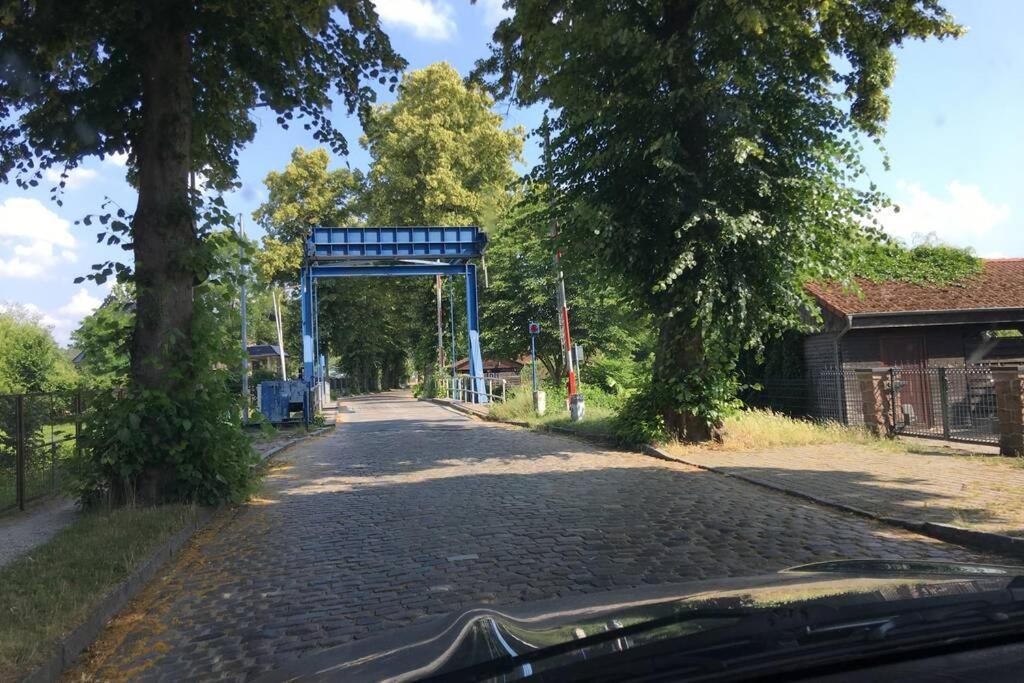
<point x="33" y="239"/>
<point x="67" y="318"/>
<point x="60" y="328"/>
<point x="77" y="177"/>
<point x="428" y="19"/>
<point x="493" y="11"/>
<point x="117" y="159"/>
<point x="961" y="217"/>
<point x="81" y="304"/>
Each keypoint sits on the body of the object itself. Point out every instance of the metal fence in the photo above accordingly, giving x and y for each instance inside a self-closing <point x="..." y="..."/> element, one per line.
<point x="39" y="433"/>
<point x="827" y="396"/>
<point x="955" y="403"/>
<point x="462" y="388"/>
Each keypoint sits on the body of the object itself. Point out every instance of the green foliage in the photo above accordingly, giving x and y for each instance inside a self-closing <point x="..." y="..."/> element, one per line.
<point x="440" y="154"/>
<point x="617" y="375"/>
<point x="522" y="289"/>
<point x="306" y="193"/>
<point x="181" y="445"/>
<point x="709" y="153"/>
<point x="266" y="427"/>
<point x="639" y="420"/>
<point x="926" y="264"/>
<point x="439" y="157"/>
<point x="175" y="85"/>
<point x="30" y="359"/>
<point x="75" y="77"/>
<point x="104" y="340"/>
<point x="181" y="442"/>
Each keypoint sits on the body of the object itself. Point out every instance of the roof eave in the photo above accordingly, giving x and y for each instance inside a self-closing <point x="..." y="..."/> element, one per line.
<point x="873" y="319"/>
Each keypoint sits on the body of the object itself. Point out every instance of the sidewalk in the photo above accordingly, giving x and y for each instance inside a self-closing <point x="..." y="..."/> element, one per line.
<point x="22" y="531"/>
<point x="923" y="483"/>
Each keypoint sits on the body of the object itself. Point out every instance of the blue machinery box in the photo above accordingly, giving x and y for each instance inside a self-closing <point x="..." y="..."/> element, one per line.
<point x="279" y="399"/>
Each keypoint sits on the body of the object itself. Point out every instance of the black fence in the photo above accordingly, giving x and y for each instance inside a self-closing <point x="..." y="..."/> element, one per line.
<point x="827" y="396"/>
<point x="39" y="433"/>
<point x="955" y="403"/>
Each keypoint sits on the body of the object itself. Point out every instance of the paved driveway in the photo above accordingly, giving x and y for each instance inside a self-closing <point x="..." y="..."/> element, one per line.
<point x="409" y="510"/>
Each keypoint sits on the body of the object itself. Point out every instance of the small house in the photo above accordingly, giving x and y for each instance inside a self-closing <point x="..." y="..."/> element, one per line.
<point x="506" y="369"/>
<point x="979" y="321"/>
<point x="919" y="329"/>
<point x="265" y="357"/>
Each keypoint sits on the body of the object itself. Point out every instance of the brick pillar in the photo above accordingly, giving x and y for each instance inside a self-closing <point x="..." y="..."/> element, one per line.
<point x="874" y="392"/>
<point x="1009" y="388"/>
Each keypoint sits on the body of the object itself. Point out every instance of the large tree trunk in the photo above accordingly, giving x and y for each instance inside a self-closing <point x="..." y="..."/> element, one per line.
<point x="163" y="229"/>
<point x="679" y="353"/>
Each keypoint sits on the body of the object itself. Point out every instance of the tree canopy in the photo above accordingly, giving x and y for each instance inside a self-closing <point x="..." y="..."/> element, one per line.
<point x="175" y="85"/>
<point x="522" y="285"/>
<point x="709" y="152"/>
<point x="30" y="360"/>
<point x="440" y="155"/>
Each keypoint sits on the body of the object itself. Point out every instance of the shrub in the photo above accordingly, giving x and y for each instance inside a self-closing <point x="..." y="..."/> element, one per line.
<point x="639" y="419"/>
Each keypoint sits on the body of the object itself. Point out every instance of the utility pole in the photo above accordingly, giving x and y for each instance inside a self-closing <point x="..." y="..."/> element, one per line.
<point x="245" y="331"/>
<point x="451" y="317"/>
<point x="575" y="400"/>
<point x="280" y="334"/>
<point x="440" y="328"/>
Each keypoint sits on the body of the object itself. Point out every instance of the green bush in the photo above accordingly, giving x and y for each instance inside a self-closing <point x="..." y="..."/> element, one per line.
<point x="180" y="443"/>
<point x="639" y="420"/>
<point x="191" y="448"/>
<point x="615" y="375"/>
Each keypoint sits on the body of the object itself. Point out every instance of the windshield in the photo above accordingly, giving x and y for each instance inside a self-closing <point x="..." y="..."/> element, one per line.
<point x="324" y="325"/>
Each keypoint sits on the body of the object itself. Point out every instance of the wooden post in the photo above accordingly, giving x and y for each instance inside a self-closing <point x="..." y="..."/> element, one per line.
<point x="19" y="450"/>
<point x="944" y="402"/>
<point x="875" y="398"/>
<point x="1009" y="389"/>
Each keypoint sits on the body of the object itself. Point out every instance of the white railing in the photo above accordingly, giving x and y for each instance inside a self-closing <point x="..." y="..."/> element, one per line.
<point x="463" y="388"/>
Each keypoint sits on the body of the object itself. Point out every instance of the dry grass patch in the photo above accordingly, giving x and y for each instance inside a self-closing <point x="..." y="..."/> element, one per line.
<point x="751" y="430"/>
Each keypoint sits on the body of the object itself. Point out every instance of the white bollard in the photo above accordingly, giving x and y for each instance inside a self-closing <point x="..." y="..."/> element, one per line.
<point x="539" y="402"/>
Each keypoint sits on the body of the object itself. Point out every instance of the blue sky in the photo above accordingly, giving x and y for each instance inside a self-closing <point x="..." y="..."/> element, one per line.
<point x="955" y="140"/>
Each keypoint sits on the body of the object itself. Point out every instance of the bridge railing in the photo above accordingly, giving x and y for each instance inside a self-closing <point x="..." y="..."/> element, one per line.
<point x="463" y="388"/>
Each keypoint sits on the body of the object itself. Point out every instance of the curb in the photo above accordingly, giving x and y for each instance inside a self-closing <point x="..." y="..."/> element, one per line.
<point x="985" y="541"/>
<point x="68" y="649"/>
<point x="288" y="444"/>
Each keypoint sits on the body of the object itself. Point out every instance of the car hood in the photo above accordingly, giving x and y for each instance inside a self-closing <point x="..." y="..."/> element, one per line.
<point x="482" y="634"/>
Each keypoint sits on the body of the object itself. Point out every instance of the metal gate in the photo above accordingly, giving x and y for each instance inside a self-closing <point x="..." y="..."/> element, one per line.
<point x="956" y="403"/>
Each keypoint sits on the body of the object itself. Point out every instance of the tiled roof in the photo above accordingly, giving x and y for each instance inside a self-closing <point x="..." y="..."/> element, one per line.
<point x="490" y="364"/>
<point x="1000" y="284"/>
<point x="264" y="351"/>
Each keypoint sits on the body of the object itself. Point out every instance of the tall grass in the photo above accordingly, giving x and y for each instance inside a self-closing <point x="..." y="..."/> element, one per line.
<point x="519" y="408"/>
<point x="746" y="430"/>
<point x="757" y="429"/>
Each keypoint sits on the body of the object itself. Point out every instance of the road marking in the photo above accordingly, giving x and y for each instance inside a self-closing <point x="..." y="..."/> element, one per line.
<point x="458" y="558"/>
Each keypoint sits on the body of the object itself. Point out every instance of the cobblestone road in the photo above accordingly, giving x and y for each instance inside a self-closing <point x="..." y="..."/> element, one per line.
<point x="408" y="510"/>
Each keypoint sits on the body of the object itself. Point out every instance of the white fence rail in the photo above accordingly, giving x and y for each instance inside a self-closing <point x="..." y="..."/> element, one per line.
<point x="463" y="388"/>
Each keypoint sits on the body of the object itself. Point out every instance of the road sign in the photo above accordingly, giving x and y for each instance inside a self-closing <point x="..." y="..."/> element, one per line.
<point x="534" y="328"/>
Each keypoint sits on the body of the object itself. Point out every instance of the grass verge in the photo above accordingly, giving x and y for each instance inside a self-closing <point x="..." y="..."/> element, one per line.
<point x="52" y="589"/>
<point x="747" y="430"/>
<point x="519" y="408"/>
